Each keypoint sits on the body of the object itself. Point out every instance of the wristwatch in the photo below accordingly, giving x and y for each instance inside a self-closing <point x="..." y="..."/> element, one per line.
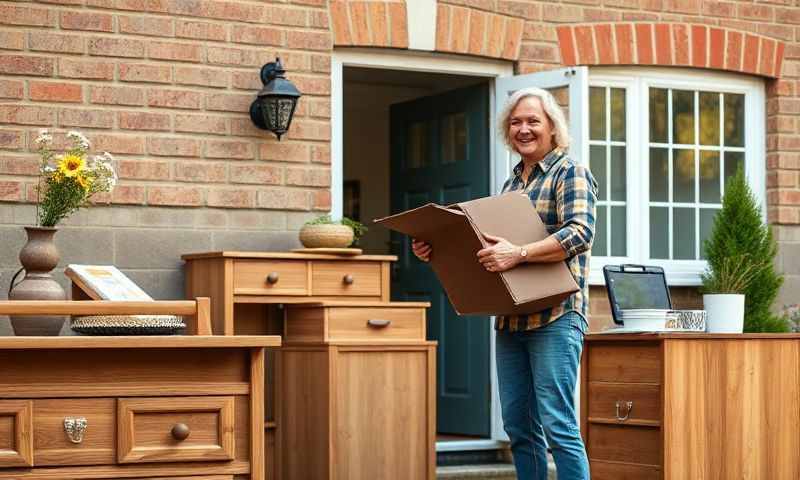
<point x="523" y="253"/>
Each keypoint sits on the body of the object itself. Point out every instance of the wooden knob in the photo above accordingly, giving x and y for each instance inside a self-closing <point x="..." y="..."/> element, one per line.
<point x="272" y="278"/>
<point x="348" y="279"/>
<point x="180" y="431"/>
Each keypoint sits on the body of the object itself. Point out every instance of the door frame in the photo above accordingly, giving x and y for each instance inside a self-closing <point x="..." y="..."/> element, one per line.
<point x="434" y="63"/>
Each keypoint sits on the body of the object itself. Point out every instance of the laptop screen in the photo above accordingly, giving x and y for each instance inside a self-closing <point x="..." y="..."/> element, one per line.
<point x="638" y="290"/>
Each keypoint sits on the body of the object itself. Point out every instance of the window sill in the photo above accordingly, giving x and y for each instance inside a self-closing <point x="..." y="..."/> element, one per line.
<point x="678" y="273"/>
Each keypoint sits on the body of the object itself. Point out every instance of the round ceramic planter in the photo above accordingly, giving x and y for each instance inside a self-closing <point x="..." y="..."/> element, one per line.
<point x="725" y="313"/>
<point x="326" y="236"/>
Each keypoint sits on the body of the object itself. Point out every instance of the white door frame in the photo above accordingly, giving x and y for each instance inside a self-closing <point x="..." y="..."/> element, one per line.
<point x="420" y="62"/>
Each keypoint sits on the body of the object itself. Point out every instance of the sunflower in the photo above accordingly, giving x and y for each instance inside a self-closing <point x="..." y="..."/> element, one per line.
<point x="71" y="165"/>
<point x="84" y="182"/>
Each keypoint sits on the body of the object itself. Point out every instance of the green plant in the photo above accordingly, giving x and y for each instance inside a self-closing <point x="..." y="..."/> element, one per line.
<point x="740" y="252"/>
<point x="359" y="229"/>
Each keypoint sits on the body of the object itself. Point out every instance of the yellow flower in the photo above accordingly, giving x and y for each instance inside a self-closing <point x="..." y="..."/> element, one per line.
<point x="84" y="182"/>
<point x="71" y="165"/>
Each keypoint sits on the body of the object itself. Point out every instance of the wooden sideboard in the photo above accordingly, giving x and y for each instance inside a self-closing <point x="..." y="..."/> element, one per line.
<point x="153" y="407"/>
<point x="691" y="406"/>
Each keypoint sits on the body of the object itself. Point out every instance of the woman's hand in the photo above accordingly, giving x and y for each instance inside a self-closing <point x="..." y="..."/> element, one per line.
<point x="421" y="249"/>
<point x="501" y="256"/>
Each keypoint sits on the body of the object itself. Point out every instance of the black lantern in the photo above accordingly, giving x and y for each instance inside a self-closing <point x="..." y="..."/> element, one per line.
<point x="273" y="109"/>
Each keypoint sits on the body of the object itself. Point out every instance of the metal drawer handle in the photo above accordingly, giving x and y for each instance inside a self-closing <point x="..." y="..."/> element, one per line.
<point x="628" y="407"/>
<point x="75" y="428"/>
<point x="348" y="279"/>
<point x="379" y="323"/>
<point x="273" y="278"/>
<point x="180" y="431"/>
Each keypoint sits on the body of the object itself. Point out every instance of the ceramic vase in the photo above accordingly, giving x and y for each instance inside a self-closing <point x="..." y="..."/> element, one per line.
<point x="724" y="312"/>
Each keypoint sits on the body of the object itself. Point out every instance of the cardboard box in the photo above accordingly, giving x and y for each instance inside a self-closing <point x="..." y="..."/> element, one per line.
<point x="455" y="233"/>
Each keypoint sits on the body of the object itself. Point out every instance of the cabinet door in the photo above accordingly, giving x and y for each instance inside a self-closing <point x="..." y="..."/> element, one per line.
<point x="385" y="413"/>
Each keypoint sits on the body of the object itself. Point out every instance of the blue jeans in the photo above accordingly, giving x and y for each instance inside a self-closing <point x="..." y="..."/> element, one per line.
<point x="537" y="372"/>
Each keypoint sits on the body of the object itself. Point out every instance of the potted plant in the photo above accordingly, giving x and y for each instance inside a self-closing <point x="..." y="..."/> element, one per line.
<point x="724" y="285"/>
<point x="324" y="232"/>
<point x="66" y="183"/>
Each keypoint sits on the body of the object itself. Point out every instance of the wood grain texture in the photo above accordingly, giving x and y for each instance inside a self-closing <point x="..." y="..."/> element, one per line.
<point x="170" y="342"/>
<point x="287" y="255"/>
<point x="352" y="323"/>
<point x="53" y="447"/>
<point x="127" y="471"/>
<point x="304" y="325"/>
<point x="257" y="400"/>
<point x="16" y="428"/>
<point x="206" y="278"/>
<point x="386" y="281"/>
<point x="624" y="443"/>
<point x="625" y="362"/>
<point x="97" y="307"/>
<point x="623" y="471"/>
<point x="250" y="277"/>
<point x="144" y="426"/>
<point x="238" y="299"/>
<point x="328" y="278"/>
<point x="646" y="401"/>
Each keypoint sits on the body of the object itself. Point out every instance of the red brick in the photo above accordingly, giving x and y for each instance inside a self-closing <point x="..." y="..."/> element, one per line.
<point x="591" y="15"/>
<point x="116" y="47"/>
<point x="585" y="43"/>
<point x="733" y="53"/>
<point x="12" y="40"/>
<point x="717" y="48"/>
<point x="85" y="118"/>
<point x="779" y="58"/>
<point x="155" y="6"/>
<point x="205" y="172"/>
<point x="12" y="89"/>
<point x="398" y="25"/>
<point x="229" y="102"/>
<point x="780" y="88"/>
<point x="477" y="30"/>
<point x="257" y="35"/>
<point x="22" y="15"/>
<point x="283" y="199"/>
<point x="233" y="56"/>
<point x="309" y="40"/>
<point x="146" y="25"/>
<point x="321" y="154"/>
<point x="750" y="61"/>
<point x="250" y="80"/>
<point x="27" y="115"/>
<point x="699" y="46"/>
<point x="174" y="196"/>
<point x="340" y="23"/>
<point x="319" y="19"/>
<point x="305" y="176"/>
<point x="321" y="200"/>
<point x="513" y="39"/>
<point x="644" y="43"/>
<point x="231" y="198"/>
<point x="85" y="69"/>
<point x="18" y="165"/>
<point x="116" y="95"/>
<point x="55" y="92"/>
<point x="181" y="52"/>
<point x="663" y="44"/>
<point x="767" y="56"/>
<point x="680" y="38"/>
<point x="229" y="149"/>
<point x="312" y="85"/>
<point x="122" y="144"/>
<point x="144" y="121"/>
<point x="24" y="65"/>
<point x="92" y="21"/>
<point x="200" y="30"/>
<point x="519" y="9"/>
<point x="41" y="41"/>
<point x="11" y="140"/>
<point x="379" y="27"/>
<point x="128" y="195"/>
<point x="682" y="6"/>
<point x="11" y="191"/>
<point x="284" y="152"/>
<point x="639" y="17"/>
<point x="201" y="124"/>
<point x="174" y="99"/>
<point x="719" y="9"/>
<point x="294" y="17"/>
<point x="780" y="32"/>
<point x="557" y="13"/>
<point x="624" y="43"/>
<point x="242" y="126"/>
<point x="143" y="170"/>
<point x="258" y="174"/>
<point x="459" y="30"/>
<point x="566" y="45"/>
<point x="783" y="160"/>
<point x="756" y="12"/>
<point x="142" y="72"/>
<point x="173" y="147"/>
<point x="223" y="10"/>
<point x="303" y="129"/>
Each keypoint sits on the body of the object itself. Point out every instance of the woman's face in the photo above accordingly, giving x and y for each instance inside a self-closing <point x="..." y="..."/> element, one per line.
<point x="530" y="129"/>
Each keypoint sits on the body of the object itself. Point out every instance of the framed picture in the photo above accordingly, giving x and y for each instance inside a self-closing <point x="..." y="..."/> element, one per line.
<point x="351" y="205"/>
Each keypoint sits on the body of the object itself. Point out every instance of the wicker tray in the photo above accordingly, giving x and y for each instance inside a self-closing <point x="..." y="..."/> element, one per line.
<point x="128" y="325"/>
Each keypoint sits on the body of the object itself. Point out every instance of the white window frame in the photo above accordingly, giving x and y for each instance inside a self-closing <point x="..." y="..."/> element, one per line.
<point x="637" y="81"/>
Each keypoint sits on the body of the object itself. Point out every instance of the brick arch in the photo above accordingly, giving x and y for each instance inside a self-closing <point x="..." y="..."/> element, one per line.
<point x="670" y="44"/>
<point x="369" y="24"/>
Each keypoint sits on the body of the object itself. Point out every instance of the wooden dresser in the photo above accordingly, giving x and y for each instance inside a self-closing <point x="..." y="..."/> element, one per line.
<point x="691" y="406"/>
<point x="187" y="407"/>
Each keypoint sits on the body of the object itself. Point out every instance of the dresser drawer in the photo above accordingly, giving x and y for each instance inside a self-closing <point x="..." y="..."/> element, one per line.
<point x="625" y="403"/>
<point x="175" y="429"/>
<point x="624" y="443"/>
<point x="376" y="323"/>
<point x="74" y="431"/>
<point x="358" y="279"/>
<point x="621" y="471"/>
<point x="16" y="435"/>
<point x="633" y="362"/>
<point x="270" y="277"/>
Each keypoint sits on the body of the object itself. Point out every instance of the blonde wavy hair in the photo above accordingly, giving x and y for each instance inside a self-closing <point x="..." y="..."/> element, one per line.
<point x="551" y="108"/>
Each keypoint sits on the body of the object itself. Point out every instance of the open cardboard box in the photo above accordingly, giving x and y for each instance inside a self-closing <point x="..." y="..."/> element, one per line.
<point x="456" y="234"/>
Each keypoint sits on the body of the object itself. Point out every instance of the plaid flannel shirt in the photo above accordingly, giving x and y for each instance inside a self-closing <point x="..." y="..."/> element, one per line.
<point x="564" y="194"/>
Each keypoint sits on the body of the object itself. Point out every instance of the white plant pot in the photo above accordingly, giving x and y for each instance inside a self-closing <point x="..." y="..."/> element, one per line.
<point x="725" y="313"/>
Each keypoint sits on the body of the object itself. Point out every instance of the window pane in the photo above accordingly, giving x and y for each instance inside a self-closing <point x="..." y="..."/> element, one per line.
<point x="454" y="138"/>
<point x="733" y="162"/>
<point x="617" y="173"/>
<point x="683" y="176"/>
<point x="682" y="116"/>
<point x="709" y="118"/>
<point x="618" y="114"/>
<point x="734" y="120"/>
<point x="599" y="247"/>
<point x="659" y="232"/>
<point x="417" y="145"/>
<point x="683" y="233"/>
<point x="597" y="113"/>
<point x="709" y="177"/>
<point x="597" y="164"/>
<point x="659" y="174"/>
<point x="707" y="216"/>
<point x="618" y="232"/>
<point x="658" y="115"/>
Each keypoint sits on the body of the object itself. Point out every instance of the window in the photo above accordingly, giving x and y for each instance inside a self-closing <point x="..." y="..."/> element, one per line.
<point x="662" y="143"/>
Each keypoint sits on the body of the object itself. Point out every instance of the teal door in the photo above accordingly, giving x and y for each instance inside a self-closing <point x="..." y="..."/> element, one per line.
<point x="440" y="154"/>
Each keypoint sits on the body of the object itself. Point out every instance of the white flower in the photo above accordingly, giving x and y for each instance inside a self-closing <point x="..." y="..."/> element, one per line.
<point x="44" y="138"/>
<point x="80" y="138"/>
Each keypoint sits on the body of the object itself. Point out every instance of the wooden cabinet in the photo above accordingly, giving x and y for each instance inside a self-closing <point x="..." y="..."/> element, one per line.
<point x="132" y="407"/>
<point x="691" y="406"/>
<point x="359" y="394"/>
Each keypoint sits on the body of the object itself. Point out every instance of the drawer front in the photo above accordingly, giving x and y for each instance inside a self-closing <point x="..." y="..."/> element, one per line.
<point x="376" y="323"/>
<point x="360" y="279"/>
<point x="175" y="429"/>
<point x="270" y="277"/>
<point x="624" y="443"/>
<point x="57" y="442"/>
<point x="632" y="362"/>
<point x="625" y="403"/>
<point x="16" y="433"/>
<point x="621" y="471"/>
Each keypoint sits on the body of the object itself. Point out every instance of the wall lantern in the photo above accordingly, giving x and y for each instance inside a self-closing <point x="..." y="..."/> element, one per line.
<point x="273" y="109"/>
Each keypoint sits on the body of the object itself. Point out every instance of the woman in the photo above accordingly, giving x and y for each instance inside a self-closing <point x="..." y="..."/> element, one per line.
<point x="538" y="354"/>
